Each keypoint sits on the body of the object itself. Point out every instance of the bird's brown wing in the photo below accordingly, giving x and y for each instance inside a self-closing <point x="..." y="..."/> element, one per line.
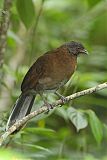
<point x="31" y="78"/>
<point x="38" y="71"/>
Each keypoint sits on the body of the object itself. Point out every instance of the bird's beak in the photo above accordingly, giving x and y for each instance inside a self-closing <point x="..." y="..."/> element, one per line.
<point x="84" y="51"/>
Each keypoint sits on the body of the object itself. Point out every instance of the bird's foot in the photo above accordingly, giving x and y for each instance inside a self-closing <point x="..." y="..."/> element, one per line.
<point x="49" y="106"/>
<point x="63" y="99"/>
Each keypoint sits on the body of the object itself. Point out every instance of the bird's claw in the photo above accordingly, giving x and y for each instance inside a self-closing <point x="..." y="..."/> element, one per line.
<point x="49" y="106"/>
<point x="63" y="99"/>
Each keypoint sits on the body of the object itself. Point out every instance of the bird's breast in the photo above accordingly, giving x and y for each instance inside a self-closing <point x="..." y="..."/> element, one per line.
<point x="58" y="72"/>
<point x="64" y="66"/>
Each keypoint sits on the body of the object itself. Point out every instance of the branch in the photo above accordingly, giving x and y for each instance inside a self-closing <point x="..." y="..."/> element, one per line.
<point x="5" y="17"/>
<point x="45" y="108"/>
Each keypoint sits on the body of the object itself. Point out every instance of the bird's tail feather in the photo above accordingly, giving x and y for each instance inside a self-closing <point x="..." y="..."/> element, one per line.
<point x="21" y="108"/>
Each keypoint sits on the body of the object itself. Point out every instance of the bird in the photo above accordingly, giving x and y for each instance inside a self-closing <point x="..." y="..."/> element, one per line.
<point x="48" y="73"/>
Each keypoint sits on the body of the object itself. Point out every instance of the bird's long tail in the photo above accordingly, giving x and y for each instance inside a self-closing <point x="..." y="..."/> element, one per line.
<point x="21" y="108"/>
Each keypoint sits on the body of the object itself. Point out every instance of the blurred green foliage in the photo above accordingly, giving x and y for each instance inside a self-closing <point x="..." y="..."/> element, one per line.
<point x="9" y="155"/>
<point x="78" y="130"/>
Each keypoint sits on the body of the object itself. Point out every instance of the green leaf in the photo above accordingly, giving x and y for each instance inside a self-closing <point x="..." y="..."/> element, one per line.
<point x="38" y="147"/>
<point x="26" y="11"/>
<point x="78" y="118"/>
<point x="10" y="154"/>
<point x="1" y="4"/>
<point x="96" y="126"/>
<point x="93" y="3"/>
<point x="105" y="130"/>
<point x="62" y="112"/>
<point x="41" y="131"/>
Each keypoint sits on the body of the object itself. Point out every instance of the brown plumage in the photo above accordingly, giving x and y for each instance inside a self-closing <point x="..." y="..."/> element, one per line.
<point x="49" y="72"/>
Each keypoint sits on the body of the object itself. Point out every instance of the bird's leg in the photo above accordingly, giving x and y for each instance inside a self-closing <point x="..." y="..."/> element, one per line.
<point x="46" y="103"/>
<point x="49" y="106"/>
<point x="62" y="97"/>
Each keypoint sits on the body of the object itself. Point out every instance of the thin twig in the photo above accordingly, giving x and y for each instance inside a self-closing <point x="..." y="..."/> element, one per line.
<point x="5" y="18"/>
<point x="45" y="109"/>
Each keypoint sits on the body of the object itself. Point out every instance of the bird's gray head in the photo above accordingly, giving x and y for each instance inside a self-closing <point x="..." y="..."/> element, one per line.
<point x="75" y="48"/>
